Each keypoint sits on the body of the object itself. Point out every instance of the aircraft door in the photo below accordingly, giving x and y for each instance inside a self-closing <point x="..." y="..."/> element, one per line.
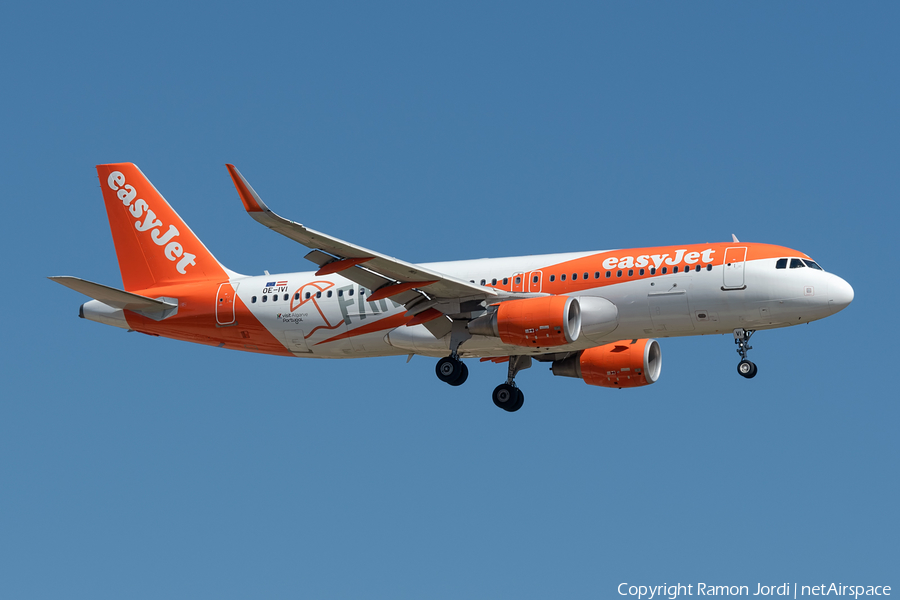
<point x="225" y="304"/>
<point x="535" y="281"/>
<point x="518" y="282"/>
<point x="733" y="268"/>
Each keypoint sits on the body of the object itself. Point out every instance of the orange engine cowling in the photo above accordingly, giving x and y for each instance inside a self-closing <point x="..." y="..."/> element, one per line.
<point x="625" y="364"/>
<point x="532" y="322"/>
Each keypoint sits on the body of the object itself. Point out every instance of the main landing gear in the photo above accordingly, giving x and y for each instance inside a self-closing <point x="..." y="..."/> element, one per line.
<point x="507" y="395"/>
<point x="452" y="370"/>
<point x="745" y="368"/>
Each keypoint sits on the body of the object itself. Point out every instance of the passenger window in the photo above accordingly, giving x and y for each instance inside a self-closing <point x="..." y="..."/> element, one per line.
<point x="796" y="263"/>
<point x="812" y="265"/>
<point x="265" y="298"/>
<point x="781" y="264"/>
<point x="553" y="278"/>
<point x="253" y="300"/>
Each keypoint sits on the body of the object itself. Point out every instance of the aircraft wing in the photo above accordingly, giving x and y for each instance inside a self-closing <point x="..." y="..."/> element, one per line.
<point x="415" y="287"/>
<point x="113" y="297"/>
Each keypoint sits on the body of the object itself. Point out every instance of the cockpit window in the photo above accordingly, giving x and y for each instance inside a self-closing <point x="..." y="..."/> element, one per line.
<point x="812" y="265"/>
<point x="781" y="264"/>
<point x="796" y="263"/>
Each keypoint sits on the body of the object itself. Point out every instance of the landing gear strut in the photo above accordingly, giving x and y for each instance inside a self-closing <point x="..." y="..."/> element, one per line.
<point x="451" y="369"/>
<point x="742" y="338"/>
<point x="507" y="395"/>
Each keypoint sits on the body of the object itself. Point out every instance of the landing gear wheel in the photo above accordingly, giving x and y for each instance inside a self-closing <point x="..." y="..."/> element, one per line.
<point x="747" y="369"/>
<point x="450" y="369"/>
<point x="520" y="400"/>
<point x="464" y="374"/>
<point x="508" y="397"/>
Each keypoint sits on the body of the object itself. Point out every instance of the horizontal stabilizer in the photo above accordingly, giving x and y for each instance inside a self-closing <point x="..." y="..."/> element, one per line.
<point x="113" y="297"/>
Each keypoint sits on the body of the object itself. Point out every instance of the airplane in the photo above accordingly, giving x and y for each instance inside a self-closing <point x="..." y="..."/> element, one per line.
<point x="591" y="315"/>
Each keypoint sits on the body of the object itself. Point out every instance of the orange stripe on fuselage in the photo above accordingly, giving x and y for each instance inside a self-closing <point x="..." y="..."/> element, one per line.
<point x="595" y="264"/>
<point x="195" y="321"/>
<point x="391" y="322"/>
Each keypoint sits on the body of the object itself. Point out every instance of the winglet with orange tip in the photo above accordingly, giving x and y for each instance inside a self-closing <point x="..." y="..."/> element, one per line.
<point x="249" y="197"/>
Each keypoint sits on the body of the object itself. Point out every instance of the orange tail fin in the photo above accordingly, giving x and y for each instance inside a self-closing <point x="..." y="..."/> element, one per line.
<point x="153" y="245"/>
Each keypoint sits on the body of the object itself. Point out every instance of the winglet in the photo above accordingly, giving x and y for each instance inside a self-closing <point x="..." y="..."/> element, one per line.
<point x="734" y="237"/>
<point x="252" y="201"/>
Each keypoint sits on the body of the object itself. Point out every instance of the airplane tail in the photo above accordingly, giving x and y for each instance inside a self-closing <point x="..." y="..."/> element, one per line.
<point x="153" y="245"/>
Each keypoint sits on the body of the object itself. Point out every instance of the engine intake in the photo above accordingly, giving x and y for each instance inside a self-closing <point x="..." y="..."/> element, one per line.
<point x="532" y="322"/>
<point x="623" y="364"/>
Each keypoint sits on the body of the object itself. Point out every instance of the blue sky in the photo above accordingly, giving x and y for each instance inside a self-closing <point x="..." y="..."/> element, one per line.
<point x="139" y="467"/>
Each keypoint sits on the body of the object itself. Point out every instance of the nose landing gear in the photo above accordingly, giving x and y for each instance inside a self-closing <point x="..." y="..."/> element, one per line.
<point x="745" y="368"/>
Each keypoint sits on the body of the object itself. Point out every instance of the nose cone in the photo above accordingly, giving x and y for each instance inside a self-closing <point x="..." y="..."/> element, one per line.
<point x="840" y="294"/>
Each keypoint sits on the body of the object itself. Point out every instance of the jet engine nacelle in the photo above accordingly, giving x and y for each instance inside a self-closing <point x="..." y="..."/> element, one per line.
<point x="532" y="322"/>
<point x="624" y="364"/>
